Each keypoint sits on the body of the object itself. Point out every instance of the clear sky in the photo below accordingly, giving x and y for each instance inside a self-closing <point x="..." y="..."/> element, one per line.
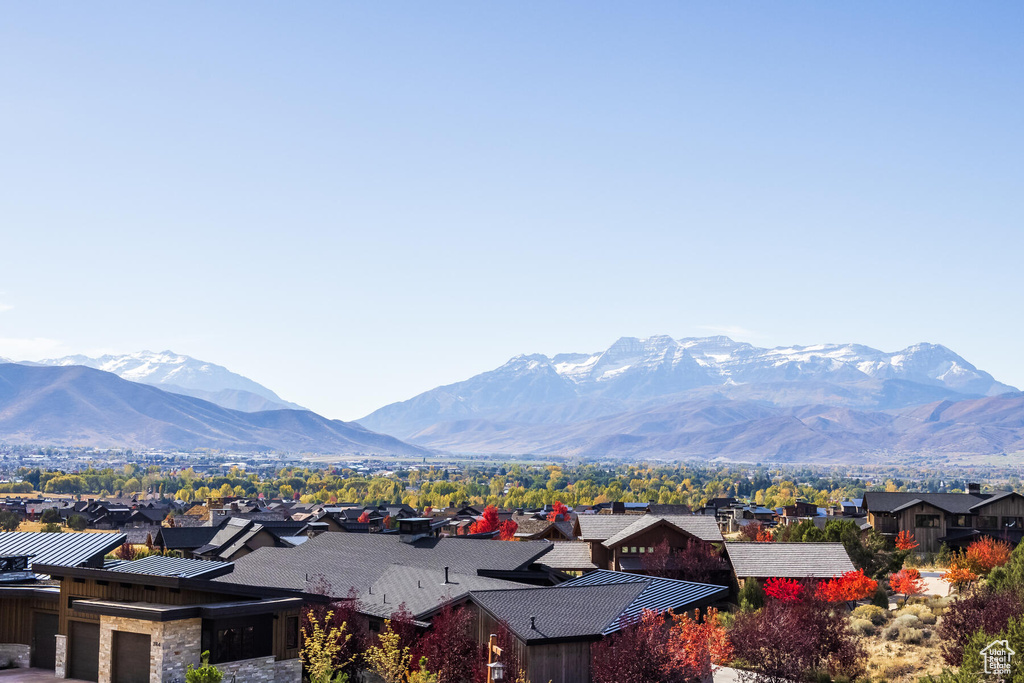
<point x="355" y="202"/>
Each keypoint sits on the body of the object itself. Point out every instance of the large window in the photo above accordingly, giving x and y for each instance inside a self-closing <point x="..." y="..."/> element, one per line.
<point x="230" y="640"/>
<point x="960" y="521"/>
<point x="292" y="634"/>
<point x="927" y="521"/>
<point x="1013" y="522"/>
<point x="988" y="522"/>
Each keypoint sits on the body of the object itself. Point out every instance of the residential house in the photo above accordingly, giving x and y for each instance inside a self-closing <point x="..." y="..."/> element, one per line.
<point x="551" y="630"/>
<point x="800" y="561"/>
<point x="953" y="519"/>
<point x="620" y="542"/>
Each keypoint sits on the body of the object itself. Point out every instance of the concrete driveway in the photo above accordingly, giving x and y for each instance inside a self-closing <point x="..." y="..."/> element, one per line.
<point x="32" y="676"/>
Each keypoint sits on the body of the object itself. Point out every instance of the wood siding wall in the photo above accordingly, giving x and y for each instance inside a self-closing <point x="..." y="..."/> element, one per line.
<point x="557" y="662"/>
<point x="16" y="618"/>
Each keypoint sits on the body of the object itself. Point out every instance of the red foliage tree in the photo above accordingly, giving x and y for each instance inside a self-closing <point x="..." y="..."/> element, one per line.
<point x="403" y="624"/>
<point x="450" y="648"/>
<point x="364" y="518"/>
<point x="750" y="532"/>
<point x="986" y="554"/>
<point x="783" y="590"/>
<point x="907" y="581"/>
<point x="790" y="640"/>
<point x="765" y="535"/>
<point x="651" y="650"/>
<point x="345" y="611"/>
<point x="848" y="587"/>
<point x="905" y="541"/>
<point x="559" y="512"/>
<point x="981" y="610"/>
<point x="696" y="561"/>
<point x="958" y="576"/>
<point x="507" y="530"/>
<point x="487" y="523"/>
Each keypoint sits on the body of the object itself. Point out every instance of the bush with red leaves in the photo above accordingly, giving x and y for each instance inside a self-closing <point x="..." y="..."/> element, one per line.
<point x="983" y="610"/>
<point x="792" y="639"/>
<point x="450" y="648"/>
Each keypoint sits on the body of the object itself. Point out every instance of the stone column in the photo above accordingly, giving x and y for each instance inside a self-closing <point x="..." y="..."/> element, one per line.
<point x="61" y="670"/>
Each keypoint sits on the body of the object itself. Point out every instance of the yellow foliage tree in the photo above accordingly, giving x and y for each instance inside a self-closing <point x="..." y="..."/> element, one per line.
<point x="387" y="659"/>
<point x="321" y="647"/>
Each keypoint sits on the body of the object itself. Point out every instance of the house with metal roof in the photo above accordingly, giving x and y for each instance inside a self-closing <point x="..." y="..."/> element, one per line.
<point x="952" y="519"/>
<point x="620" y="542"/>
<point x="788" y="560"/>
<point x="547" y="632"/>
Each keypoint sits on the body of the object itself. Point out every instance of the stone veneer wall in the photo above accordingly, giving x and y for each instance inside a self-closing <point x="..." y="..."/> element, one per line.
<point x="15" y="653"/>
<point x="173" y="646"/>
<point x="61" y="670"/>
<point x="289" y="671"/>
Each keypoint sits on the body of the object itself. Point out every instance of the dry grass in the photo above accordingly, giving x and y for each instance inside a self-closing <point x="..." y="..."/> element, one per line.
<point x="38" y="526"/>
<point x="898" y="662"/>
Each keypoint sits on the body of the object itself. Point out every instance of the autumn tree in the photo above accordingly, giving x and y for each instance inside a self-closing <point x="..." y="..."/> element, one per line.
<point x="750" y="532"/>
<point x="783" y="590"/>
<point x="387" y="658"/>
<point x="905" y="541"/>
<point x="323" y="643"/>
<point x="958" y="577"/>
<point x="907" y="581"/>
<point x="507" y="530"/>
<point x="364" y="518"/>
<point x="450" y="650"/>
<point x="986" y="554"/>
<point x="848" y="587"/>
<point x="791" y="640"/>
<point x="696" y="561"/>
<point x="559" y="512"/>
<point x="487" y="523"/>
<point x="696" y="646"/>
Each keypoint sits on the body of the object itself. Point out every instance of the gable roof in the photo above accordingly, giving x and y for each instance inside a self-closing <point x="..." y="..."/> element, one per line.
<point x="953" y="503"/>
<point x="173" y="566"/>
<point x="569" y="556"/>
<point x="995" y="497"/>
<point x="789" y="560"/>
<point x="593" y="605"/>
<point x="700" y="526"/>
<point x="336" y="562"/>
<point x="422" y="591"/>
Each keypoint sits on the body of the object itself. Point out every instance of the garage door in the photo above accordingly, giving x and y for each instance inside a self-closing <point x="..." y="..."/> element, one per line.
<point x="44" y="640"/>
<point x="131" y="657"/>
<point x="84" y="651"/>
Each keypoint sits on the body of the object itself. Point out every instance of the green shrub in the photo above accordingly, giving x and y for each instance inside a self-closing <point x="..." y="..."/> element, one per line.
<point x="51" y="528"/>
<point x="876" y="615"/>
<point x="922" y="612"/>
<point x="206" y="673"/>
<point x="77" y="523"/>
<point x="944" y="556"/>
<point x="911" y="636"/>
<point x="751" y="595"/>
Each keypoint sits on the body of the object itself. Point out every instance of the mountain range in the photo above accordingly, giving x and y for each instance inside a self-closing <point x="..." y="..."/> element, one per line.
<point x="715" y="397"/>
<point x="185" y="375"/>
<point x="80" y="406"/>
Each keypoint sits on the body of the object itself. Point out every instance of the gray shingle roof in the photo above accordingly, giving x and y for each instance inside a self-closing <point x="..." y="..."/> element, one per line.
<point x="569" y="556"/>
<point x="703" y="527"/>
<point x="66" y="549"/>
<point x="603" y="527"/>
<point x="953" y="503"/>
<point x="789" y="560"/>
<point x="336" y="562"/>
<point x="422" y="590"/>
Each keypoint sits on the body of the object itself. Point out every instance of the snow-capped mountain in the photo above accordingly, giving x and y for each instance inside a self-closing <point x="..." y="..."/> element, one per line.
<point x="534" y="402"/>
<point x="182" y="374"/>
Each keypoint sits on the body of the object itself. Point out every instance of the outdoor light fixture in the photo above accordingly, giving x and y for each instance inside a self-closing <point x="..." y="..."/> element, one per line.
<point x="497" y="671"/>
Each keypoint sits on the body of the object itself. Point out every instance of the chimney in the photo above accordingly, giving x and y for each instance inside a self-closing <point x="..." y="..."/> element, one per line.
<point x="446" y="581"/>
<point x="974" y="488"/>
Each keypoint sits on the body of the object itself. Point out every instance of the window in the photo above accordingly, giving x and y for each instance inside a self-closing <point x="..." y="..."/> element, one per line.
<point x="1013" y="522"/>
<point x="926" y="521"/>
<point x="231" y="640"/>
<point x="374" y="625"/>
<point x="633" y="550"/>
<point x="625" y="550"/>
<point x="961" y="521"/>
<point x="292" y="633"/>
<point x="988" y="522"/>
<point x="643" y="550"/>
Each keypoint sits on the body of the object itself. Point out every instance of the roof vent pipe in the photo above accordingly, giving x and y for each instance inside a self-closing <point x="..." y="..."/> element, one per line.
<point x="533" y="623"/>
<point x="446" y="581"/>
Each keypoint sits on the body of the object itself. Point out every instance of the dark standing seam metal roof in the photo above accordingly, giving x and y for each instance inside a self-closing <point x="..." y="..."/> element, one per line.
<point x="173" y="566"/>
<point x="65" y="549"/>
<point x="789" y="560"/>
<point x="591" y="606"/>
<point x="658" y="594"/>
<point x="580" y="612"/>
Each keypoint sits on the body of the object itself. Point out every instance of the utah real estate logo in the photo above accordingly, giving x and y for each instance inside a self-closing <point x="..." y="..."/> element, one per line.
<point x="997" y="656"/>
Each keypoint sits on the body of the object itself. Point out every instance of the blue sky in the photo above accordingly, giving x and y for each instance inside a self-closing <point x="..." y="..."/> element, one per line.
<point x="353" y="203"/>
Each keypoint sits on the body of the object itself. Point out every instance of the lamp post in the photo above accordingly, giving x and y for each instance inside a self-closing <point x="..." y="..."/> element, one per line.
<point x="495" y="669"/>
